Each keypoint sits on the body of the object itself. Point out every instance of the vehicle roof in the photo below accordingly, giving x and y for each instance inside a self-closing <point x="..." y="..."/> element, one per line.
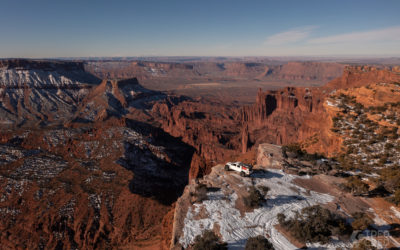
<point x="241" y="163"/>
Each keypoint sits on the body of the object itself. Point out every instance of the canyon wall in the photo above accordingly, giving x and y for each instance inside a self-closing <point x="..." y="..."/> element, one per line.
<point x="298" y="114"/>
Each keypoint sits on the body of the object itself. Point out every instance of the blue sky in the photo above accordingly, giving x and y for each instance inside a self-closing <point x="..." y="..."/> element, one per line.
<point x="58" y="28"/>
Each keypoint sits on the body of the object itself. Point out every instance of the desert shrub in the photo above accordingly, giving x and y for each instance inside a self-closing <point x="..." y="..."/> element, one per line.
<point x="343" y="107"/>
<point x="389" y="146"/>
<point x="293" y="148"/>
<point x="254" y="198"/>
<point x="383" y="160"/>
<point x="361" y="221"/>
<point x="67" y="183"/>
<point x="314" y="224"/>
<point x="380" y="109"/>
<point x="361" y="136"/>
<point x="88" y="188"/>
<point x="380" y="137"/>
<point x="200" y="193"/>
<point x="281" y="219"/>
<point x="42" y="184"/>
<point x="208" y="241"/>
<point x="355" y="185"/>
<point x="394" y="135"/>
<point x="299" y="153"/>
<point x="335" y="130"/>
<point x="351" y="150"/>
<point x="312" y="157"/>
<point x="390" y="178"/>
<point x="395" y="198"/>
<point x="372" y="141"/>
<point x="336" y="119"/>
<point x="358" y="108"/>
<point x="345" y="162"/>
<point x="258" y="243"/>
<point x="264" y="190"/>
<point x="364" y="245"/>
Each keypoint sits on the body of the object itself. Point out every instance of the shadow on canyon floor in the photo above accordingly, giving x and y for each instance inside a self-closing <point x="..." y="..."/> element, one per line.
<point x="162" y="176"/>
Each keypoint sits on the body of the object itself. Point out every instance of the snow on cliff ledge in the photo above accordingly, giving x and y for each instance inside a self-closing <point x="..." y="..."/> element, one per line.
<point x="40" y="78"/>
<point x="220" y="207"/>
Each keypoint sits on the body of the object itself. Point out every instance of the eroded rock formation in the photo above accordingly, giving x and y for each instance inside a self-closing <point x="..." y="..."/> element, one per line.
<point x="298" y="114"/>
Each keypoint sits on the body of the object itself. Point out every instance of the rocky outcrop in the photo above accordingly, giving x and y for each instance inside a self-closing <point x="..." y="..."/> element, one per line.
<point x="245" y="139"/>
<point x="270" y="155"/>
<point x="284" y="116"/>
<point x="289" y="100"/>
<point x="210" y="127"/>
<point x="117" y="98"/>
<point x="298" y="114"/>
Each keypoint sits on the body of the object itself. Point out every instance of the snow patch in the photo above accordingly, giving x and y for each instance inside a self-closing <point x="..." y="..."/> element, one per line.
<point x="395" y="211"/>
<point x="330" y="104"/>
<point x="284" y="197"/>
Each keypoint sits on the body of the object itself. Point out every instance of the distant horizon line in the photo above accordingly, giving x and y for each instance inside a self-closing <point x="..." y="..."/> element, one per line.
<point x="195" y="56"/>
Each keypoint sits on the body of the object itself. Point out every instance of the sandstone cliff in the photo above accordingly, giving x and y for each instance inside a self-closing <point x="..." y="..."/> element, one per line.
<point x="298" y="114"/>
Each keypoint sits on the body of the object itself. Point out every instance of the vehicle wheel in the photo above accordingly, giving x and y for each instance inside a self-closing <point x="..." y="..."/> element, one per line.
<point x="226" y="167"/>
<point x="242" y="174"/>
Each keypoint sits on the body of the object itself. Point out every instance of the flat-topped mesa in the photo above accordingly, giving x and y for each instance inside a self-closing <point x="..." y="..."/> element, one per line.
<point x="138" y="69"/>
<point x="317" y="72"/>
<point x="308" y="71"/>
<point x="357" y="76"/>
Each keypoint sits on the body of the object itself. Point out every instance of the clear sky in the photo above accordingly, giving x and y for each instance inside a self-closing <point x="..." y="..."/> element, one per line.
<point x="58" y="28"/>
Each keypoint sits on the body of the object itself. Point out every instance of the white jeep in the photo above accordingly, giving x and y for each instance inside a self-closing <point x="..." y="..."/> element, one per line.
<point x="243" y="169"/>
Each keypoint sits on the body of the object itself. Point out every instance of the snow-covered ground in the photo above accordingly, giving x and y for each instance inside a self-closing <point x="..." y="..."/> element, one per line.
<point x="36" y="78"/>
<point x="395" y="211"/>
<point x="329" y="103"/>
<point x="284" y="197"/>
